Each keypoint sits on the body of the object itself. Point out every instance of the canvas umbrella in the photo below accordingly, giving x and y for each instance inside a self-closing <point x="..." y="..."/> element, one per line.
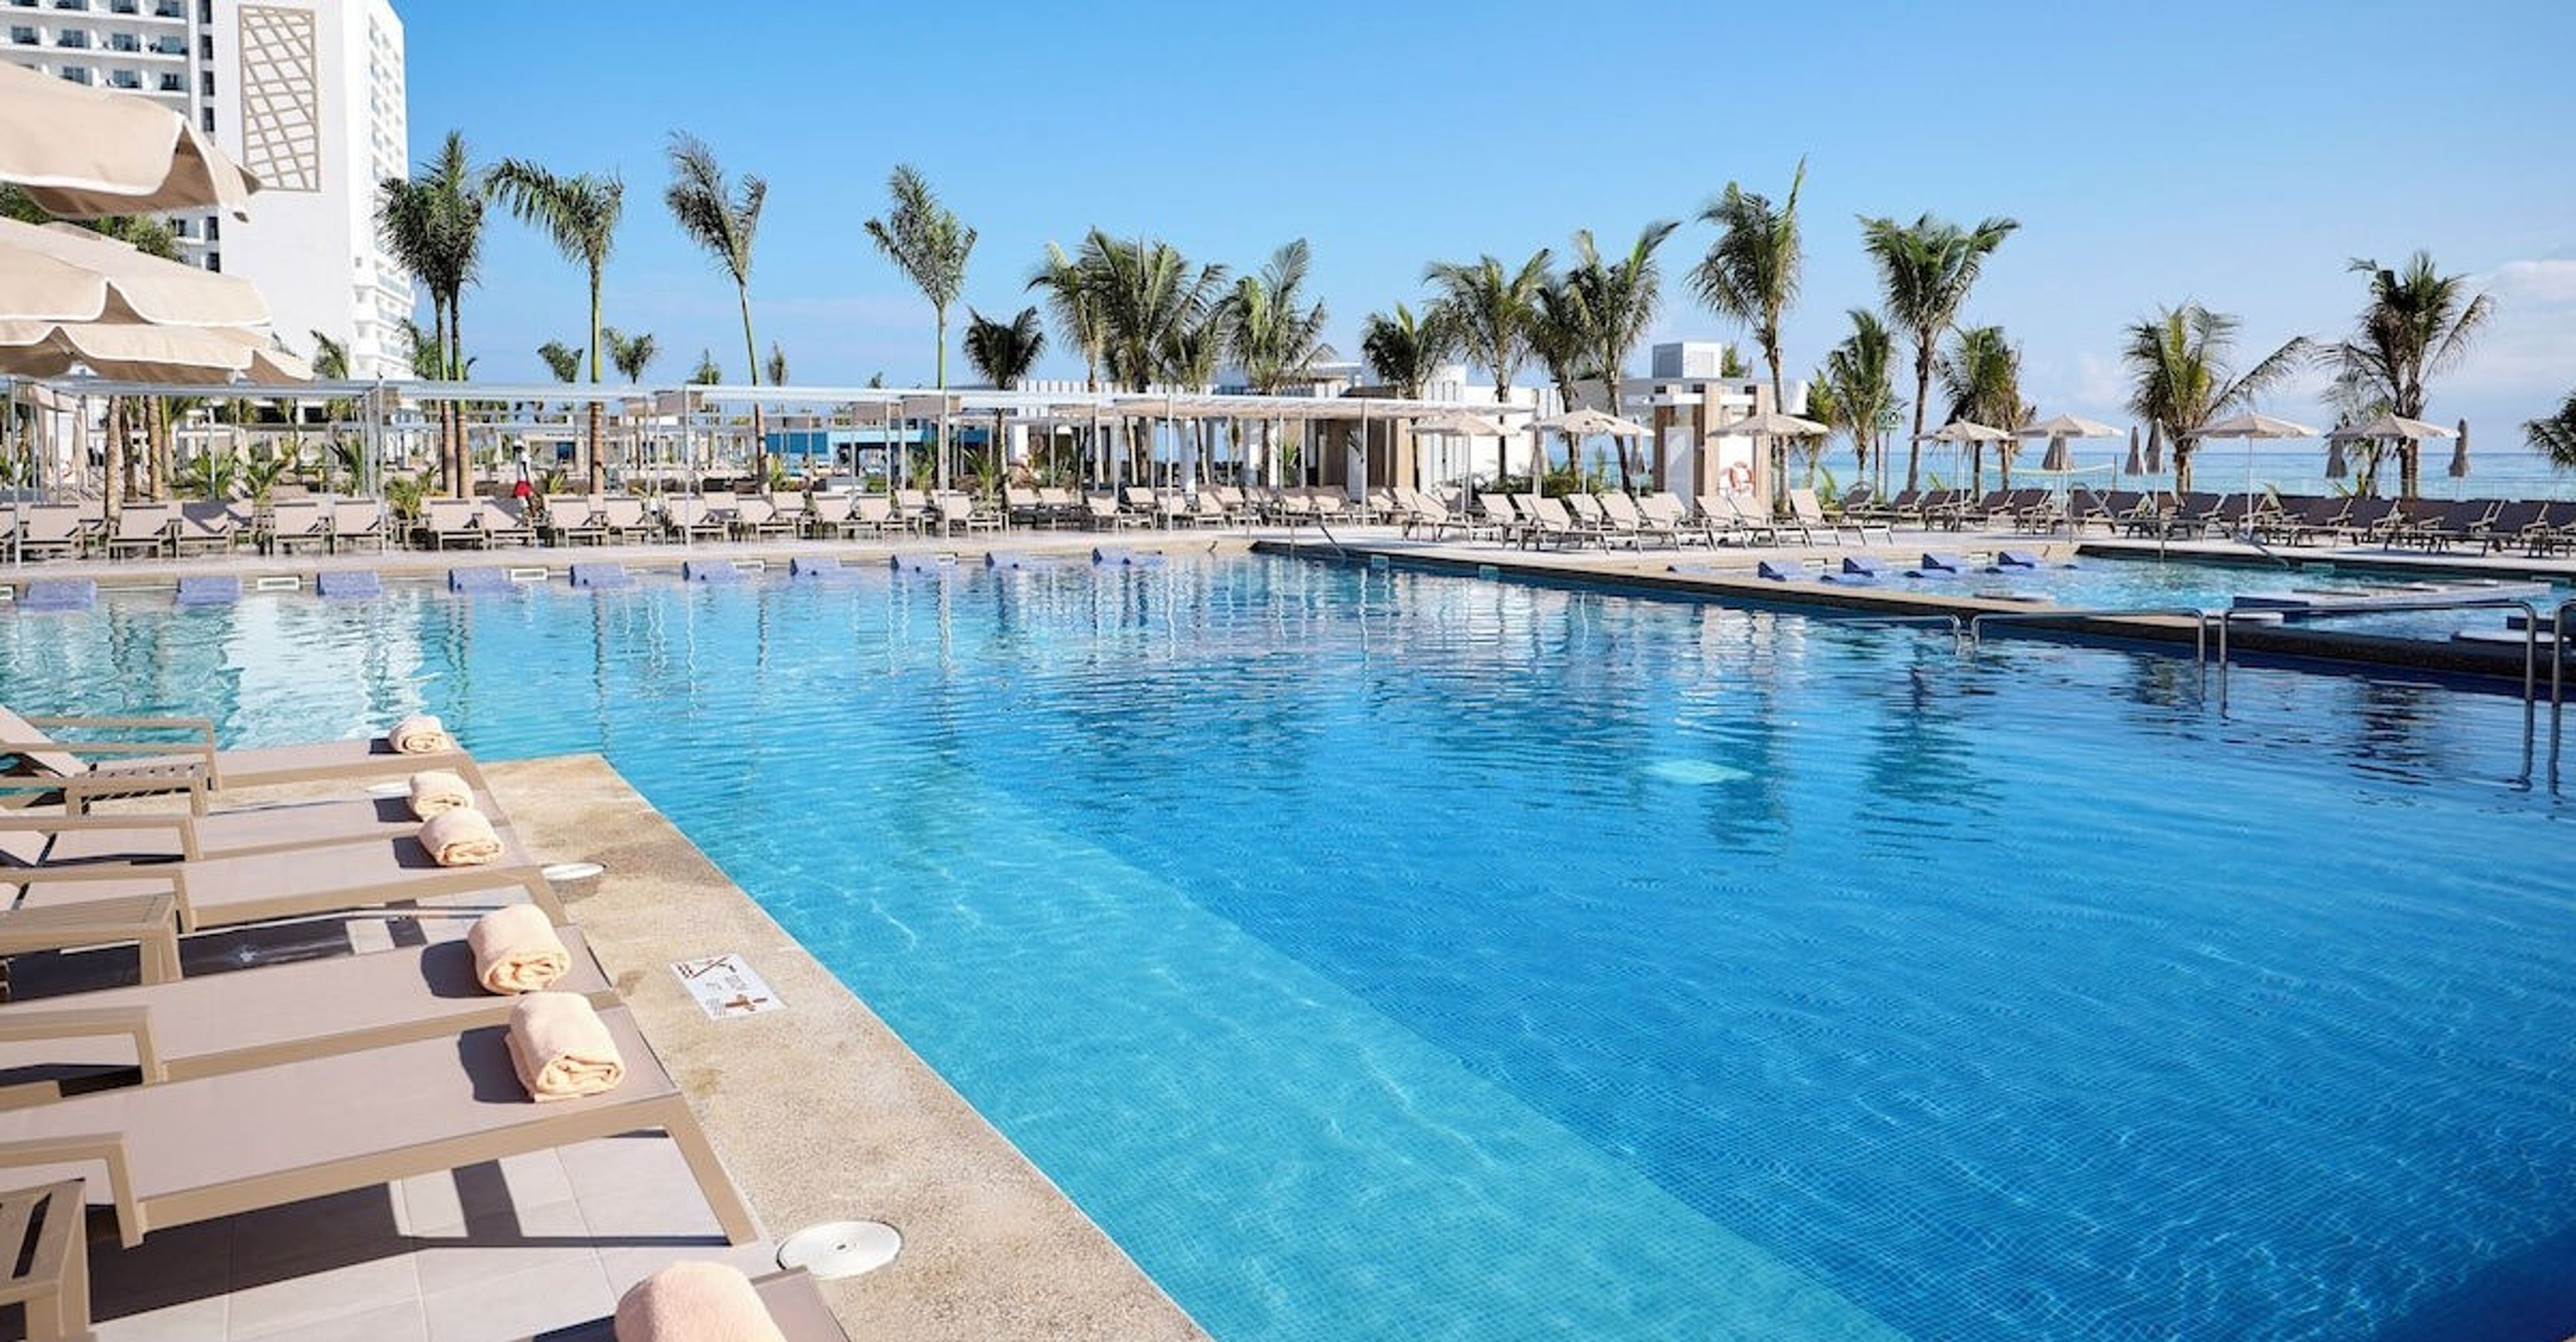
<point x="2460" y="454"/>
<point x="2058" y="430"/>
<point x="2383" y="428"/>
<point x="1773" y="424"/>
<point x="1960" y="432"/>
<point x="2136" y="465"/>
<point x="1585" y="422"/>
<point x="1464" y="424"/>
<point x="84" y="153"/>
<point x="63" y="272"/>
<point x="2251" y="426"/>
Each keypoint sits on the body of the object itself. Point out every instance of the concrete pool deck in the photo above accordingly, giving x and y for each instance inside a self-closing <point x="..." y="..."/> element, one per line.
<point x="819" y="1112"/>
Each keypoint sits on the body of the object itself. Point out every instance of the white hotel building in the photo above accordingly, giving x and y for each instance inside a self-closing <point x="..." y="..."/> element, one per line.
<point x="309" y="96"/>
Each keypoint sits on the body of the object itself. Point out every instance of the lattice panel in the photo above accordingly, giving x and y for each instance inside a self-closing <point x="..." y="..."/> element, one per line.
<point x="281" y="98"/>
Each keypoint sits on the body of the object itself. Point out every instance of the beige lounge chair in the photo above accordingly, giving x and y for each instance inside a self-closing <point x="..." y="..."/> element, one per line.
<point x="358" y="524"/>
<point x="229" y="891"/>
<point x="148" y="768"/>
<point x="44" y="1262"/>
<point x="794" y="1303"/>
<point x="294" y="522"/>
<point x="244" y="831"/>
<point x="247" y="1018"/>
<point x="187" y="1151"/>
<point x="52" y="531"/>
<point x="148" y="529"/>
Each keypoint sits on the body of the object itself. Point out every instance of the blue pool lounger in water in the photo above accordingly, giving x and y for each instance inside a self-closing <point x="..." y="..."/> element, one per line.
<point x="211" y="589"/>
<point x="59" y="594"/>
<point x="918" y="563"/>
<point x="1782" y="572"/>
<point x="478" y="580"/>
<point x="709" y="570"/>
<point x="2016" y="559"/>
<point x="348" y="584"/>
<point x="601" y="575"/>
<point x="1934" y="563"/>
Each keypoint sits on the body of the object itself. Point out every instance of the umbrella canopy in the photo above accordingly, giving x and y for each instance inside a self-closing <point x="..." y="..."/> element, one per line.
<point x="1460" y="421"/>
<point x="83" y="153"/>
<point x="137" y="352"/>
<point x="2250" y="425"/>
<point x="2137" y="465"/>
<point x="2155" y="447"/>
<point x="2389" y="426"/>
<point x="1773" y="424"/>
<point x="63" y="272"/>
<point x="1585" y="422"/>
<point x="1966" y="431"/>
<point x="2069" y="426"/>
<point x="2460" y="453"/>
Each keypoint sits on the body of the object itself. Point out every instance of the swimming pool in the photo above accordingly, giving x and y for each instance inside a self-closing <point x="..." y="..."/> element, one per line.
<point x="1388" y="954"/>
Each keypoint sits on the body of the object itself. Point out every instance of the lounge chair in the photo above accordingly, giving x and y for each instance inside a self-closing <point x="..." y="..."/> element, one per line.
<point x="1104" y="514"/>
<point x="1547" y="521"/>
<point x="2458" y="520"/>
<point x="358" y="524"/>
<point x="230" y="891"/>
<point x="1810" y="513"/>
<point x="627" y="517"/>
<point x="211" y="528"/>
<point x="577" y="519"/>
<point x="912" y="509"/>
<point x="148" y="529"/>
<point x="238" y="832"/>
<point x="46" y="1259"/>
<point x="827" y="517"/>
<point x="194" y="766"/>
<point x="958" y="512"/>
<point x="187" y="1151"/>
<point x="451" y="524"/>
<point x="505" y="522"/>
<point x="241" y="1019"/>
<point x="1667" y="511"/>
<point x="52" y="531"/>
<point x="2514" y="524"/>
<point x="796" y="1308"/>
<point x="296" y="522"/>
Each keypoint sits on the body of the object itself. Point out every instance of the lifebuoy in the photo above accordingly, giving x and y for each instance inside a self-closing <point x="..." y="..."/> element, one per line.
<point x="1739" y="477"/>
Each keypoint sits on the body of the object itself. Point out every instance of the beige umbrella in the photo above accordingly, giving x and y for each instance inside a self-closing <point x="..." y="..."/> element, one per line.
<point x="1585" y="422"/>
<point x="139" y="352"/>
<point x="2250" y="426"/>
<point x="1960" y="432"/>
<point x="1771" y="424"/>
<point x="2058" y="429"/>
<point x="83" y="153"/>
<point x="63" y="272"/>
<point x="2385" y="427"/>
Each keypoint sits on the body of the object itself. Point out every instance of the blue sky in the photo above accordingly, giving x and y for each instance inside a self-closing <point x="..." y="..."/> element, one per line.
<point x="2238" y="155"/>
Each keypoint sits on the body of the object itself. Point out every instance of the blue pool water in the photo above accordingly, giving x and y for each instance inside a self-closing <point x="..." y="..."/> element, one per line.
<point x="1378" y="954"/>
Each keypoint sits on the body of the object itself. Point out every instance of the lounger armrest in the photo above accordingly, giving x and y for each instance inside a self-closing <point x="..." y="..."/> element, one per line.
<point x="206" y="752"/>
<point x="38" y="1024"/>
<point x="176" y="873"/>
<point x="64" y="824"/>
<point x="105" y="1147"/>
<point x="204" y="728"/>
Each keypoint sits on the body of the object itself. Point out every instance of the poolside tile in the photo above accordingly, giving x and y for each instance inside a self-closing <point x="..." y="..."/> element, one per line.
<point x="332" y="1295"/>
<point x="542" y="1239"/>
<point x="186" y="1321"/>
<point x="405" y="1321"/>
<point x="520" y="1304"/>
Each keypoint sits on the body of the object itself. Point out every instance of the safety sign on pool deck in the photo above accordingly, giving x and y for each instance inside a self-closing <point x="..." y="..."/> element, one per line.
<point x="725" y="986"/>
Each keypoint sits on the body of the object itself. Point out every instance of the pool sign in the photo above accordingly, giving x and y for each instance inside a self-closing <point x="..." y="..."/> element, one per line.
<point x="725" y="986"/>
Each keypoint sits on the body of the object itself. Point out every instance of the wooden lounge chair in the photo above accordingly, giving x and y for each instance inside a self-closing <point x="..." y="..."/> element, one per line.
<point x="194" y="765"/>
<point x="577" y="519"/>
<point x="451" y="524"/>
<point x="187" y="1151"/>
<point x="827" y="517"/>
<point x="234" y="1021"/>
<point x="230" y="891"/>
<point x="211" y="528"/>
<point x="505" y="522"/>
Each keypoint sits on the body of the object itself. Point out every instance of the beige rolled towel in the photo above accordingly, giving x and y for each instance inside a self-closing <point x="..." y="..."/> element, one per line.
<point x="460" y="838"/>
<point x="516" y="950"/>
<point x="695" y="1301"/>
<point x="560" y="1048"/>
<point x="435" y="791"/>
<point x="419" y="734"/>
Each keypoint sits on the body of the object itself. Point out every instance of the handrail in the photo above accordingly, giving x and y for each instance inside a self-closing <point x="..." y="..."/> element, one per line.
<point x="2558" y="630"/>
<point x="2529" y="606"/>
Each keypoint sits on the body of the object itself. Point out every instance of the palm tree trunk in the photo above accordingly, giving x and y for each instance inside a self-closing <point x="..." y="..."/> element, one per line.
<point x="115" y="486"/>
<point x="2410" y="470"/>
<point x="941" y="314"/>
<point x="751" y="360"/>
<point x="598" y="467"/>
<point x="1922" y="393"/>
<point x="2182" y="465"/>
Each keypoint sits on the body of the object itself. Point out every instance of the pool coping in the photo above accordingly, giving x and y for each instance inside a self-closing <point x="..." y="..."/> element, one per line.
<point x="819" y="1110"/>
<point x="2483" y="664"/>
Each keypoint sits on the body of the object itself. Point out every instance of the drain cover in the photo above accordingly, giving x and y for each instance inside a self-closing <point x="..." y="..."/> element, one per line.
<point x="841" y="1248"/>
<point x="571" y="871"/>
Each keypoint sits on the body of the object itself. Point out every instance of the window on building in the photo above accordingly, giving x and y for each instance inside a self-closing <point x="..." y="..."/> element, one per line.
<point x="171" y="83"/>
<point x="75" y="38"/>
<point x="124" y="42"/>
<point x="124" y="79"/>
<point x="22" y="35"/>
<point x="167" y="9"/>
<point x="182" y="228"/>
<point x="24" y="4"/>
<point x="206" y="46"/>
<point x="206" y="119"/>
<point x="78" y="74"/>
<point x="168" y="45"/>
<point x="214" y="260"/>
<point x="214" y="229"/>
<point x="205" y="11"/>
<point x="122" y="6"/>
<point x="206" y="82"/>
<point x="71" y="4"/>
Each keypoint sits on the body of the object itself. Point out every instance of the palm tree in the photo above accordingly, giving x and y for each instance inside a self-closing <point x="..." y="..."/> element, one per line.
<point x="1490" y="311"/>
<point x="562" y="360"/>
<point x="1405" y="351"/>
<point x="580" y="213"/>
<point x="631" y="354"/>
<point x="1144" y="292"/>
<point x="926" y="241"/>
<point x="1267" y="327"/>
<point x="1857" y="376"/>
<point x="1751" y="272"/>
<point x="432" y="222"/>
<point x="2178" y="359"/>
<point x="1981" y="373"/>
<point x="2555" y="437"/>
<point x="1561" y="339"/>
<point x="777" y="364"/>
<point x="724" y="219"/>
<point x="1926" y="269"/>
<point x="1072" y="300"/>
<point x="1620" y="298"/>
<point x="706" y="374"/>
<point x="2419" y="323"/>
<point x="1004" y="352"/>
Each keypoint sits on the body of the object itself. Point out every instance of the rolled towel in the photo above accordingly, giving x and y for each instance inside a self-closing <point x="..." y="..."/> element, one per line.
<point x="560" y="1048"/>
<point x="419" y="734"/>
<point x="434" y="791"/>
<point x="695" y="1301"/>
<point x="516" y="950"/>
<point x="461" y="838"/>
